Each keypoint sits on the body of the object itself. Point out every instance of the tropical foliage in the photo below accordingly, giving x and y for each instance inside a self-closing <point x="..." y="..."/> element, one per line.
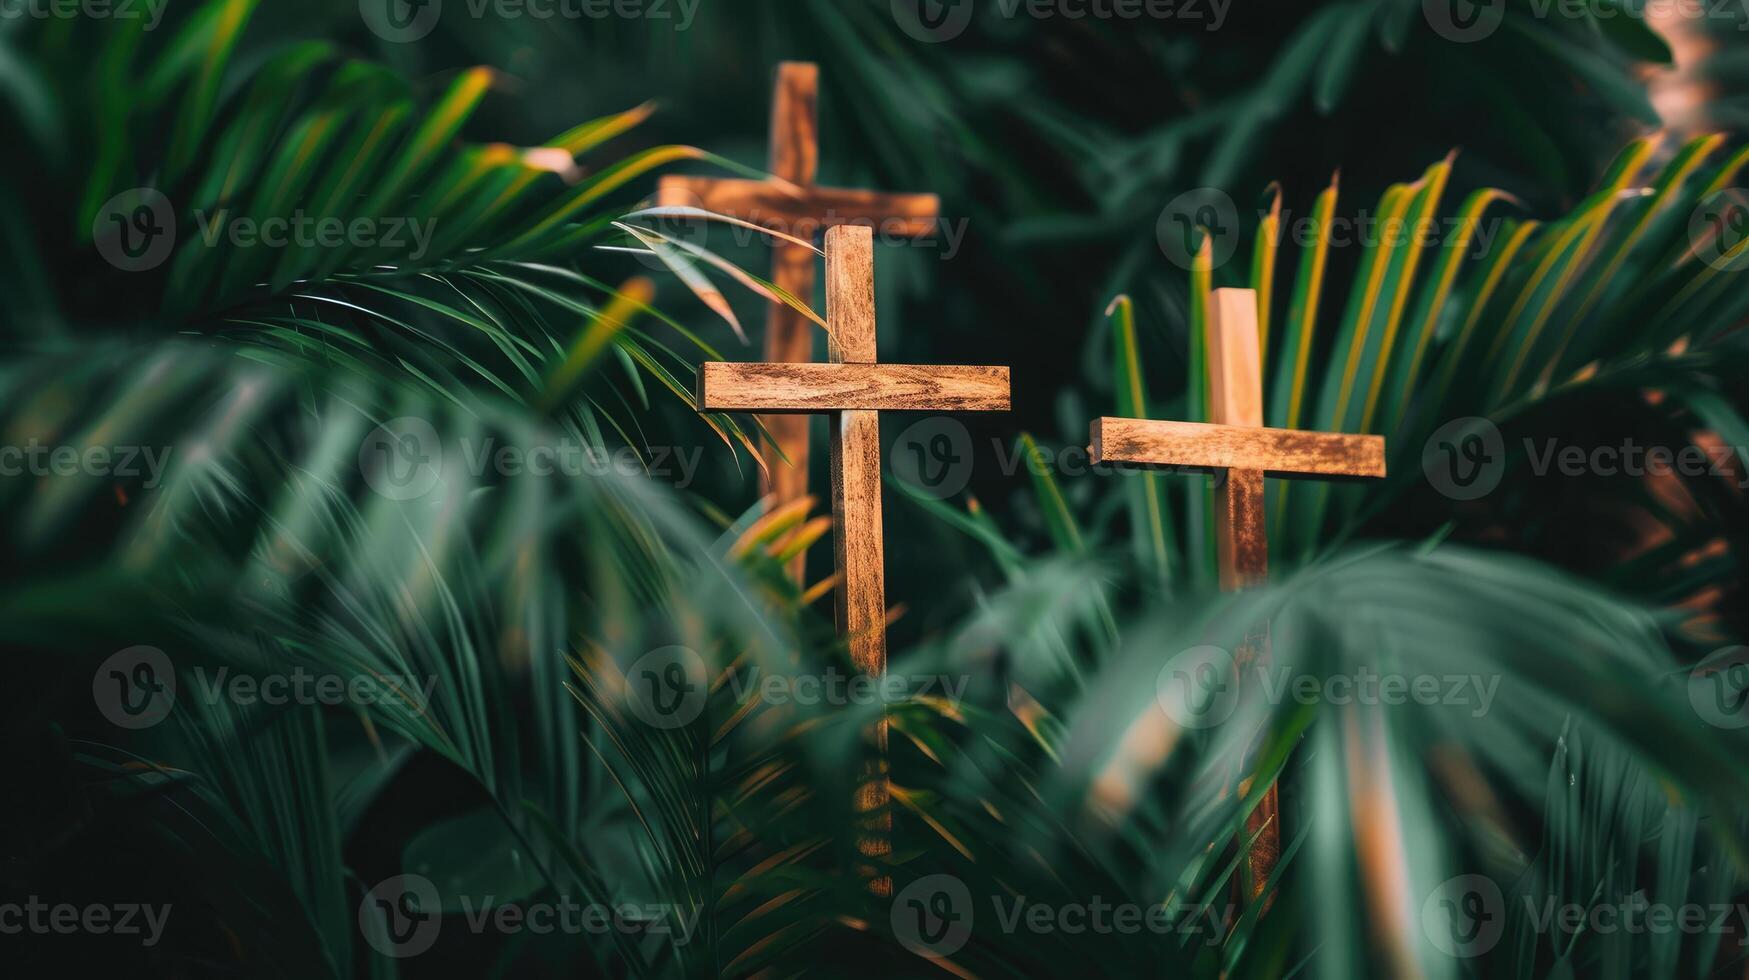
<point x="254" y="258"/>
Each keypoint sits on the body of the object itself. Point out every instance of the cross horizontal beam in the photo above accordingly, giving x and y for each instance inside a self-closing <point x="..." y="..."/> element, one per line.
<point x="732" y="386"/>
<point x="1202" y="446"/>
<point x="765" y="203"/>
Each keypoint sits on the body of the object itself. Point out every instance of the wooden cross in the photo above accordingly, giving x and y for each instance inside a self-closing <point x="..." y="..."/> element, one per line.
<point x="1236" y="446"/>
<point x="853" y="390"/>
<point x="793" y="204"/>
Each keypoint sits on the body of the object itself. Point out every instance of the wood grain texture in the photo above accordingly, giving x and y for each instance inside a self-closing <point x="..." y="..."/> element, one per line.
<point x="795" y="123"/>
<point x="729" y="386"/>
<point x="1205" y="446"/>
<point x="850" y="299"/>
<point x="789" y="336"/>
<point x="802" y="211"/>
<point x="857" y="543"/>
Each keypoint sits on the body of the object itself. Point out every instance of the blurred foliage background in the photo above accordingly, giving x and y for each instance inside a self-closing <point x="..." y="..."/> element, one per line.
<point x="1593" y="148"/>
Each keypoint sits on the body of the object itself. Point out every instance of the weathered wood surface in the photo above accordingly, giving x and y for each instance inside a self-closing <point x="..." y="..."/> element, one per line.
<point x="800" y="210"/>
<point x="1207" y="446"/>
<point x="726" y="386"/>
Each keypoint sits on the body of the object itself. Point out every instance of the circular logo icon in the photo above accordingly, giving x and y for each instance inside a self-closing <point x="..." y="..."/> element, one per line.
<point x="135" y="230"/>
<point x="1718" y="688"/>
<point x="401" y="916"/>
<point x="400" y="21"/>
<point x="135" y="688"/>
<point x="1465" y="916"/>
<point x="402" y="459"/>
<point x="934" y="455"/>
<point x="667" y="687"/>
<point x="932" y="916"/>
<point x="933" y="21"/>
<point x="1718" y="226"/>
<point x="1465" y="458"/>
<point x="1464" y="21"/>
<point x="1199" y="688"/>
<point x="1192" y="215"/>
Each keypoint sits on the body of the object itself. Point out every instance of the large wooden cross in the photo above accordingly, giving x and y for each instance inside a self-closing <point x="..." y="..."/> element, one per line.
<point x="852" y="391"/>
<point x="794" y="205"/>
<point x="1236" y="446"/>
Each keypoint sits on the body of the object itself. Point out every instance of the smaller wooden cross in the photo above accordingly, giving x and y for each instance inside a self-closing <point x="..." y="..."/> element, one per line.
<point x="1237" y="447"/>
<point x="793" y="204"/>
<point x="853" y="390"/>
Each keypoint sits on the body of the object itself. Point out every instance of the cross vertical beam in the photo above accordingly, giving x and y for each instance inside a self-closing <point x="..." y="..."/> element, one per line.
<point x="794" y="204"/>
<point x="1242" y="548"/>
<point x="789" y="336"/>
<point x="1240" y="451"/>
<point x="852" y="391"/>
